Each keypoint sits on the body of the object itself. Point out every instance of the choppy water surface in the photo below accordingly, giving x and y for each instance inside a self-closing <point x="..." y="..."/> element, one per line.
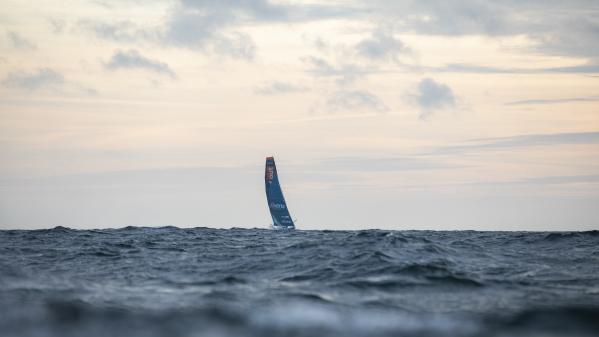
<point x="212" y="282"/>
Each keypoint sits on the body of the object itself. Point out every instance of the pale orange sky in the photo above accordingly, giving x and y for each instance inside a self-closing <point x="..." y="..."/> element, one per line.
<point x="381" y="114"/>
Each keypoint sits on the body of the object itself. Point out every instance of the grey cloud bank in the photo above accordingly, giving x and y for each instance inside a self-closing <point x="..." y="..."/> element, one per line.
<point x="213" y="26"/>
<point x="555" y="28"/>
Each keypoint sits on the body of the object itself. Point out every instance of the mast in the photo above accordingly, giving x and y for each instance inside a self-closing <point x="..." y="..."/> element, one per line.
<point x="274" y="196"/>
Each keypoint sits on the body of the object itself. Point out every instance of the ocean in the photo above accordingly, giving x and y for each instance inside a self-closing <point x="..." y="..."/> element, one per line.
<point x="168" y="281"/>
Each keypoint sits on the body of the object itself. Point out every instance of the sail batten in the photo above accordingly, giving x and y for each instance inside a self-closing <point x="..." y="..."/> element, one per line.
<point x="274" y="196"/>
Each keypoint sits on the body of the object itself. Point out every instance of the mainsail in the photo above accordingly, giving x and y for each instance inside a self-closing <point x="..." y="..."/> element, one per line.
<point x="274" y="196"/>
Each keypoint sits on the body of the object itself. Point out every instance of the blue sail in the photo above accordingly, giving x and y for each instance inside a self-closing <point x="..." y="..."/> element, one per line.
<point x="274" y="196"/>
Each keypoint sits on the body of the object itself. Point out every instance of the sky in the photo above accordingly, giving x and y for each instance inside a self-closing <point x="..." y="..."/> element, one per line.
<point x="388" y="114"/>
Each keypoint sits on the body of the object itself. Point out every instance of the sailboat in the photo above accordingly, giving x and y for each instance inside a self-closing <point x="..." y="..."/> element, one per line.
<point x="274" y="196"/>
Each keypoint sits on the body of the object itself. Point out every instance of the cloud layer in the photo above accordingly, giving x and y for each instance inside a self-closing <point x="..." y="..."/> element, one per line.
<point x="333" y="89"/>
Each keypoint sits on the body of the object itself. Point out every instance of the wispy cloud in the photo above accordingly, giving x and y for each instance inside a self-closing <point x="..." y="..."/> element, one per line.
<point x="517" y="141"/>
<point x="462" y="17"/>
<point x="279" y="88"/>
<point x="344" y="74"/>
<point x="550" y="180"/>
<point x="132" y="59"/>
<point x="382" y="45"/>
<point x="473" y="68"/>
<point x="121" y="31"/>
<point x="391" y="163"/>
<point x="57" y="25"/>
<point x="541" y="181"/>
<point x="538" y="139"/>
<point x="19" y="41"/>
<point x="587" y="67"/>
<point x="355" y="100"/>
<point x="43" y="79"/>
<point x="553" y="101"/>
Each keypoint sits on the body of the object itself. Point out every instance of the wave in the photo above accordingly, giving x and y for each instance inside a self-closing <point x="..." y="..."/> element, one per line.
<point x="142" y="281"/>
<point x="568" y="235"/>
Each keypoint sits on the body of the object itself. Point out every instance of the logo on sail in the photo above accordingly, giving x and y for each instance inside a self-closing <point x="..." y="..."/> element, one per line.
<point x="277" y="205"/>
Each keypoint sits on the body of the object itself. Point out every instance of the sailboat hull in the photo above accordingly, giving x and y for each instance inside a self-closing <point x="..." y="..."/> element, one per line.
<point x="282" y="228"/>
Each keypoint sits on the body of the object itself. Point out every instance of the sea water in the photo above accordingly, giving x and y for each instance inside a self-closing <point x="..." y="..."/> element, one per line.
<point x="168" y="281"/>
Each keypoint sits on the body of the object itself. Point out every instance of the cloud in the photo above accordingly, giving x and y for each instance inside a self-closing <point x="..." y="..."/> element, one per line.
<point x="344" y="74"/>
<point x="398" y="163"/>
<point x="381" y="46"/>
<point x="462" y="17"/>
<point x="355" y="100"/>
<point x="566" y="28"/>
<point x="542" y="181"/>
<point x="517" y="141"/>
<point x="265" y="11"/>
<point x="537" y="139"/>
<point x="554" y="101"/>
<point x="279" y="88"/>
<point x="587" y="67"/>
<point x="44" y="79"/>
<point x="132" y="59"/>
<point x="236" y="45"/>
<point x="122" y="31"/>
<point x="214" y="26"/>
<point x="19" y="41"/>
<point x="473" y="68"/>
<point x="207" y="28"/>
<point x="432" y="96"/>
<point x="569" y="35"/>
<point x="553" y="180"/>
<point x="57" y="25"/>
<point x="190" y="29"/>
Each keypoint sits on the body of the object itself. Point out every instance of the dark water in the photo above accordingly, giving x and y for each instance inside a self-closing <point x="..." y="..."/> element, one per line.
<point x="211" y="282"/>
